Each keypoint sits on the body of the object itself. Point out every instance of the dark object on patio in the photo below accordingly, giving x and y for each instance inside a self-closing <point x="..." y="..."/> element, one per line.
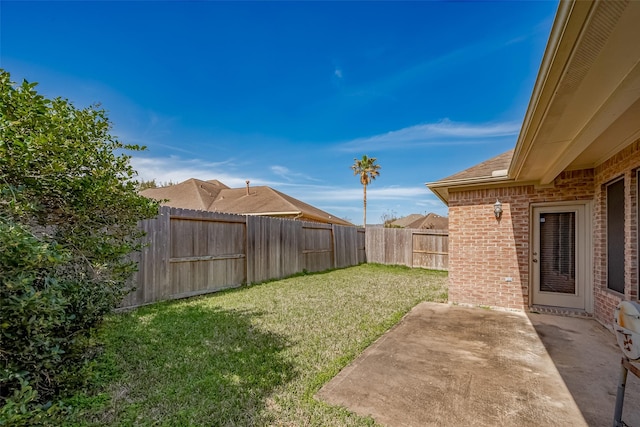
<point x="627" y="329"/>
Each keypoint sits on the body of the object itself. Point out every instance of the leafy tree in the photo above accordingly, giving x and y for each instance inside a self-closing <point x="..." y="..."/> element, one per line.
<point x="68" y="222"/>
<point x="388" y="218"/>
<point x="368" y="170"/>
<point x="167" y="184"/>
<point x="143" y="185"/>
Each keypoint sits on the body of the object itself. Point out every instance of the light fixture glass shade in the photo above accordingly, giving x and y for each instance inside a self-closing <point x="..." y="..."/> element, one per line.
<point x="497" y="209"/>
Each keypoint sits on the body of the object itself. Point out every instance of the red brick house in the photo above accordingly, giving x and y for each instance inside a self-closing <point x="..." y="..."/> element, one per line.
<point x="566" y="239"/>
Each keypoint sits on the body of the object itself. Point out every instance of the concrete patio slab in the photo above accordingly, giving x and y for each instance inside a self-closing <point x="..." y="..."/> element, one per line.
<point x="449" y="366"/>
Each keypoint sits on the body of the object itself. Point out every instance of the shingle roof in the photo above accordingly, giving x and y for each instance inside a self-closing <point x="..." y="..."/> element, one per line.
<point x="405" y="221"/>
<point x="485" y="169"/>
<point x="190" y="194"/>
<point x="492" y="171"/>
<point x="431" y="221"/>
<point x="261" y="200"/>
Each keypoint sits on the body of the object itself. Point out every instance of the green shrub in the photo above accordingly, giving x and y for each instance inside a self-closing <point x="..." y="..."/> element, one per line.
<point x="68" y="223"/>
<point x="34" y="321"/>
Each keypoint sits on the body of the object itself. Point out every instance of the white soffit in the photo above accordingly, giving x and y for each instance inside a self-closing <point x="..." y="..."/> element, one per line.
<point x="586" y="103"/>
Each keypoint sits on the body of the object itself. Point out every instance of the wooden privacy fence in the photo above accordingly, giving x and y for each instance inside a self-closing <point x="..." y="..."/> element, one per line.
<point x="194" y="252"/>
<point x="410" y="247"/>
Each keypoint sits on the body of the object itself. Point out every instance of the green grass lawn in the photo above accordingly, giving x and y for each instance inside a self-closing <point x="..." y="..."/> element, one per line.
<point x="250" y="356"/>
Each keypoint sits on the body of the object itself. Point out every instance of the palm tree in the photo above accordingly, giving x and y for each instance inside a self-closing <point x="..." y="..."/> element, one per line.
<point x="368" y="171"/>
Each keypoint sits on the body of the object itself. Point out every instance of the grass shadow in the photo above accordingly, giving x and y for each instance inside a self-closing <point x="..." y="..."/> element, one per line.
<point x="184" y="364"/>
<point x="249" y="356"/>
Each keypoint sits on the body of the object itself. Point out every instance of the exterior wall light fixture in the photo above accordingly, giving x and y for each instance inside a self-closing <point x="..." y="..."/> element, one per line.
<point x="497" y="209"/>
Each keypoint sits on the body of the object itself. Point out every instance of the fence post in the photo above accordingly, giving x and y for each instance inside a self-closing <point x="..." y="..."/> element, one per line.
<point x="333" y="246"/>
<point x="271" y="248"/>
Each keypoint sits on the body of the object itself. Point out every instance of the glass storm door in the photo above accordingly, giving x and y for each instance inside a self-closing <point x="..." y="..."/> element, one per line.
<point x="559" y="256"/>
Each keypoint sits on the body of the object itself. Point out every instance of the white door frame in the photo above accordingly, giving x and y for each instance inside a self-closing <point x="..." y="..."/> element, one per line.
<point x="584" y="256"/>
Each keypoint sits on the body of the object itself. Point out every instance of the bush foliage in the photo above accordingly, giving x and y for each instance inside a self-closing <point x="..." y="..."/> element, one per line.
<point x="68" y="223"/>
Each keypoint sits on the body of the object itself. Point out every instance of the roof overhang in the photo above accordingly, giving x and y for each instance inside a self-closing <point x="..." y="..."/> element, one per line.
<point x="301" y="214"/>
<point x="276" y="213"/>
<point x="585" y="105"/>
<point x="441" y="188"/>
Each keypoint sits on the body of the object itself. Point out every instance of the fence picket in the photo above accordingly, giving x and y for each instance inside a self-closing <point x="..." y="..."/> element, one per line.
<point x="194" y="252"/>
<point x="410" y="247"/>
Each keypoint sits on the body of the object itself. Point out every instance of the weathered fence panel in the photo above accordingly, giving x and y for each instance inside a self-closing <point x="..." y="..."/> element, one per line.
<point x="374" y="245"/>
<point x="347" y="246"/>
<point x="410" y="247"/>
<point x="194" y="252"/>
<point x="272" y="248"/>
<point x="151" y="282"/>
<point x="397" y="248"/>
<point x="317" y="249"/>
<point x="431" y="249"/>
<point x="207" y="253"/>
<point x="361" y="245"/>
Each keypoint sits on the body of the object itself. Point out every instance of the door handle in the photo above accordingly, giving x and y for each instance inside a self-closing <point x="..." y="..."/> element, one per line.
<point x="535" y="260"/>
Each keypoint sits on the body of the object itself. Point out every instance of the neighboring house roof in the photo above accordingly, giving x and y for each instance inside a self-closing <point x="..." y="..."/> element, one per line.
<point x="190" y="194"/>
<point x="586" y="99"/>
<point x="431" y="221"/>
<point x="405" y="221"/>
<point x="217" y="197"/>
<point x="263" y="200"/>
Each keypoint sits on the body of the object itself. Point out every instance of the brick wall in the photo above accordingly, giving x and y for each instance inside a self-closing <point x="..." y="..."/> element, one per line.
<point x="623" y="164"/>
<point x="483" y="252"/>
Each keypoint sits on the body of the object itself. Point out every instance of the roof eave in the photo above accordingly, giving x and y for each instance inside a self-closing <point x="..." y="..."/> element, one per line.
<point x="441" y="188"/>
<point x="278" y="213"/>
<point x="331" y="220"/>
<point x="539" y="103"/>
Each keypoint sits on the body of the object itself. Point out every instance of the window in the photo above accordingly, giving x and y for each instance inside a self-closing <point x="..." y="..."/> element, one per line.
<point x="615" y="236"/>
<point x="558" y="252"/>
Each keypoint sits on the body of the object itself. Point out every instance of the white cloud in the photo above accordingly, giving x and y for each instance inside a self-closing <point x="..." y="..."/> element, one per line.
<point x="465" y="130"/>
<point x="339" y="201"/>
<point x="338" y="73"/>
<point x="444" y="132"/>
<point x="347" y="201"/>
<point x="329" y="194"/>
<point x="280" y="170"/>
<point x="175" y="169"/>
<point x="289" y="175"/>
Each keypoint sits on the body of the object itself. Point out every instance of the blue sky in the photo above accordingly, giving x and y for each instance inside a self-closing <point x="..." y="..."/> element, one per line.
<point x="287" y="94"/>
